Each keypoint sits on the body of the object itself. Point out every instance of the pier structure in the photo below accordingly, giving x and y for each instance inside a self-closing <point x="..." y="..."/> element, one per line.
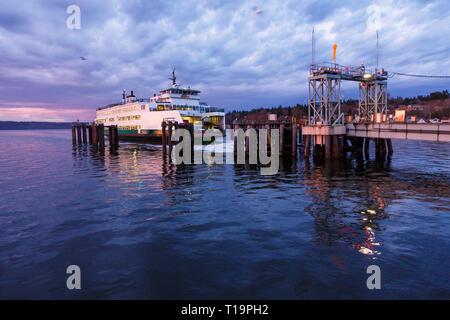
<point x="325" y="126"/>
<point x="439" y="132"/>
<point x="96" y="134"/>
<point x="289" y="133"/>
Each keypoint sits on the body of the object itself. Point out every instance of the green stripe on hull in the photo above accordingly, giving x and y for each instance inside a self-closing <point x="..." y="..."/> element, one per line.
<point x="128" y="131"/>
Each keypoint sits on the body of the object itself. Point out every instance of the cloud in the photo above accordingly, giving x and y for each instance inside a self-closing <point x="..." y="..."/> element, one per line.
<point x="236" y="57"/>
<point x="43" y="114"/>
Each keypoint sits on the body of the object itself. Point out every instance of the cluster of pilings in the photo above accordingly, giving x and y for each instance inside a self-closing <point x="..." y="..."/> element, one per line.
<point x="288" y="134"/>
<point x="167" y="128"/>
<point x="324" y="147"/>
<point x="96" y="135"/>
<point x="383" y="147"/>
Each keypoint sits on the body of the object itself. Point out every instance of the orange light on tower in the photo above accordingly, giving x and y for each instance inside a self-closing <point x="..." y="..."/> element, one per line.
<point x="334" y="51"/>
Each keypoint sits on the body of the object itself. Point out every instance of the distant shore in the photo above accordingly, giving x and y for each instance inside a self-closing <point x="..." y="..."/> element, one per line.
<point x="33" y="125"/>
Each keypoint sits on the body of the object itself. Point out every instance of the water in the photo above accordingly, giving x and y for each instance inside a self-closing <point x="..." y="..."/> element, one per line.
<point x="141" y="228"/>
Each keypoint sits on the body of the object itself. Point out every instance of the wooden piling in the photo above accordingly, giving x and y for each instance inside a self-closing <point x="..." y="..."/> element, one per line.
<point x="340" y="141"/>
<point x="163" y="136"/>
<point x="359" y="146"/>
<point x="294" y="139"/>
<point x="94" y="135"/>
<point x="269" y="139"/>
<point x="247" y="140"/>
<point x="307" y="146"/>
<point x="328" y="147"/>
<point x="111" y="137"/>
<point x="389" y="145"/>
<point x="116" y="136"/>
<point x="335" y="147"/>
<point x="281" y="138"/>
<point x="83" y="129"/>
<point x="377" y="147"/>
<point x="318" y="151"/>
<point x="383" y="148"/>
<point x="300" y="134"/>
<point x="101" y="135"/>
<point x="315" y="148"/>
<point x="74" y="138"/>
<point x="79" y="134"/>
<point x="90" y="134"/>
<point x="170" y="138"/>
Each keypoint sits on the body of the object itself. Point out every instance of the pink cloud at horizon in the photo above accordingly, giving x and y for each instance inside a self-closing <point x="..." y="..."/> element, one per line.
<point x="45" y="114"/>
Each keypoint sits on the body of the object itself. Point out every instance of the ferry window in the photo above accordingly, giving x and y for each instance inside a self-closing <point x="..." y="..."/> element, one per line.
<point x="160" y="107"/>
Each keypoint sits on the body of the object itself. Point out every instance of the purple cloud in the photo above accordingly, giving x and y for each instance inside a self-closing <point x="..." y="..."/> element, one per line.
<point x="235" y="57"/>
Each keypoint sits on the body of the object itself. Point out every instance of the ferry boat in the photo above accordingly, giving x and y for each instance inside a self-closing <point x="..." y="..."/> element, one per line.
<point x="140" y="119"/>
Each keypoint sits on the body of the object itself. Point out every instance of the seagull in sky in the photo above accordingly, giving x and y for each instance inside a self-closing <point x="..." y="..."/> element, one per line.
<point x="257" y="11"/>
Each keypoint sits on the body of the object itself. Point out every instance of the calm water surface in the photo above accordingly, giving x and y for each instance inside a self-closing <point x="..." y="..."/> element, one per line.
<point x="141" y="228"/>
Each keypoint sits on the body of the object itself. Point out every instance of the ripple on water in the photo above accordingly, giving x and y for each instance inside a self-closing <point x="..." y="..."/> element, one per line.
<point x="141" y="227"/>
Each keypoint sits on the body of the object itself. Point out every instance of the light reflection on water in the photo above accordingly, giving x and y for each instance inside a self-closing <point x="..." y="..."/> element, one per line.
<point x="141" y="227"/>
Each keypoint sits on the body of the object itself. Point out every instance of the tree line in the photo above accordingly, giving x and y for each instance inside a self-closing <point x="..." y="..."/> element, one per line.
<point x="436" y="105"/>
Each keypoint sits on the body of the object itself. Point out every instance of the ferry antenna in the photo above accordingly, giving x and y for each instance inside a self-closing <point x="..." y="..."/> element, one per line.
<point x="313" y="48"/>
<point x="174" y="79"/>
<point x="378" y="54"/>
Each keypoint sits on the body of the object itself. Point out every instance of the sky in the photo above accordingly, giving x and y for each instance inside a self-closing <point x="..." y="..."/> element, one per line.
<point x="240" y="54"/>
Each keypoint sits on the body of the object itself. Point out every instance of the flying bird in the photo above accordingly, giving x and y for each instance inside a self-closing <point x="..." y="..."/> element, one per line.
<point x="257" y="11"/>
<point x="83" y="58"/>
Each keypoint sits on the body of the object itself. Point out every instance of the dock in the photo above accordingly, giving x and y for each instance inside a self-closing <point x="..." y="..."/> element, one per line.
<point x="94" y="134"/>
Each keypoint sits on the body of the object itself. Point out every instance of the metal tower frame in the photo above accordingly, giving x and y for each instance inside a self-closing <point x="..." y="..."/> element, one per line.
<point x="324" y="100"/>
<point x="372" y="99"/>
